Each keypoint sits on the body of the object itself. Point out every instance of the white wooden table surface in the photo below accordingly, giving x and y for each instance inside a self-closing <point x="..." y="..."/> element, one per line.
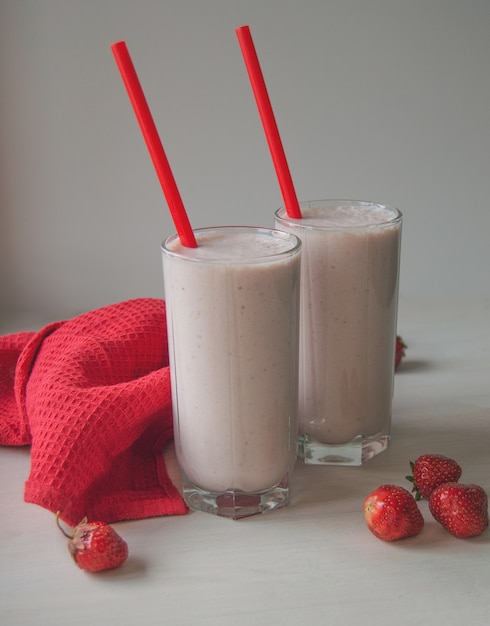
<point x="314" y="562"/>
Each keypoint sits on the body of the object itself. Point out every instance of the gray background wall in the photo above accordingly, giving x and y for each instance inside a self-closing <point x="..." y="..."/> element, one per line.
<point x="386" y="100"/>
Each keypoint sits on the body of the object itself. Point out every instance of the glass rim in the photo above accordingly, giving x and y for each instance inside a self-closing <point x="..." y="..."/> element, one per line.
<point x="299" y="223"/>
<point x="191" y="255"/>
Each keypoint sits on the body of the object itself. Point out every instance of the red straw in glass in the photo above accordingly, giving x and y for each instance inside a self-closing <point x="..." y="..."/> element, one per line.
<point x="268" y="121"/>
<point x="157" y="153"/>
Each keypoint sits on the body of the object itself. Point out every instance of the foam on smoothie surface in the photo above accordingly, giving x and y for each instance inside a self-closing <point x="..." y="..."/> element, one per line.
<point x="233" y="246"/>
<point x="347" y="216"/>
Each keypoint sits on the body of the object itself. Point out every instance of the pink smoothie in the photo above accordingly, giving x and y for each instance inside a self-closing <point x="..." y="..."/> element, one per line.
<point x="232" y="307"/>
<point x="349" y="293"/>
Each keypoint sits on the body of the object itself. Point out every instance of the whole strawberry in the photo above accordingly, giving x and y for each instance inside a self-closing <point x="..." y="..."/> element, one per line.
<point x="461" y="509"/>
<point x="96" y="546"/>
<point x="400" y="350"/>
<point x="431" y="470"/>
<point x="391" y="513"/>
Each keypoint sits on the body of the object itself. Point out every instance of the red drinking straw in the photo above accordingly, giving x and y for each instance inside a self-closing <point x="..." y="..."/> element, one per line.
<point x="268" y="121"/>
<point x="157" y="153"/>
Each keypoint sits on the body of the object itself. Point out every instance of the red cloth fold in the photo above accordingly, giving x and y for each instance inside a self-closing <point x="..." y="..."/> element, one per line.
<point x="91" y="396"/>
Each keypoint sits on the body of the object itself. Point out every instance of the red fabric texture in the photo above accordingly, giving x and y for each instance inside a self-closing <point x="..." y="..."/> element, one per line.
<point x="91" y="396"/>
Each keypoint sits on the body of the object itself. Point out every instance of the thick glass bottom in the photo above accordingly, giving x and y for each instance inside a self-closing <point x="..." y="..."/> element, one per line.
<point x="236" y="504"/>
<point x="355" y="452"/>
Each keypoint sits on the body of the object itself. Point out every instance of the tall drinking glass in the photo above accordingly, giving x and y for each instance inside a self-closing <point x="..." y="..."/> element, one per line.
<point x="349" y="296"/>
<point x="233" y="324"/>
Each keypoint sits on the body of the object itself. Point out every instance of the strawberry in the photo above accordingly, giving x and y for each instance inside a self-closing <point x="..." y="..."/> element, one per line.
<point x="431" y="470"/>
<point x="461" y="509"/>
<point x="400" y="350"/>
<point x="391" y="513"/>
<point x="95" y="546"/>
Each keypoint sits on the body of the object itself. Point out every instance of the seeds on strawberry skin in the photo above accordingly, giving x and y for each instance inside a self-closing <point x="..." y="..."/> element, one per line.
<point x="391" y="513"/>
<point x="461" y="509"/>
<point x="431" y="470"/>
<point x="95" y="546"/>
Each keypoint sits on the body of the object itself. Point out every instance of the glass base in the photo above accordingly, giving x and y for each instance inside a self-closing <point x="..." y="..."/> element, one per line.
<point x="355" y="452"/>
<point x="236" y="504"/>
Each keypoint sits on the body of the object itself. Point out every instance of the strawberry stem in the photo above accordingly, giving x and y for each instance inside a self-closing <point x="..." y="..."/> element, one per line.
<point x="410" y="478"/>
<point x="60" y="527"/>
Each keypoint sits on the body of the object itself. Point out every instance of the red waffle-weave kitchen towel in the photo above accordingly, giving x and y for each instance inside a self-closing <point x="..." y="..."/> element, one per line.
<point x="91" y="396"/>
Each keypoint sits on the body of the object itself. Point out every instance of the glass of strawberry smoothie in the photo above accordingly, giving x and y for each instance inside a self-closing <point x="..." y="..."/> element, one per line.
<point x="349" y="296"/>
<point x="233" y="332"/>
